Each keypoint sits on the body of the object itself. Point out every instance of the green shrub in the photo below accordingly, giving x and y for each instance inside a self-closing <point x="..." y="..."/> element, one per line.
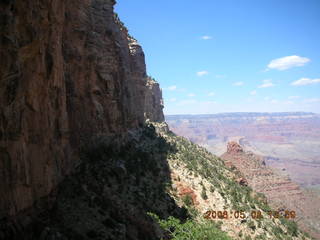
<point x="187" y="200"/>
<point x="252" y="225"/>
<point x="277" y="231"/>
<point x="194" y="213"/>
<point x="204" y="194"/>
<point x="291" y="226"/>
<point x="190" y="229"/>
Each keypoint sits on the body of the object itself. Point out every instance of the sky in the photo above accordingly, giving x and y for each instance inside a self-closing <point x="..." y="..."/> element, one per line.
<point x="213" y="56"/>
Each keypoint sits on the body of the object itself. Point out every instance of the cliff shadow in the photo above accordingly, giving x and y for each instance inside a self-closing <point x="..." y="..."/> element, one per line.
<point x="119" y="180"/>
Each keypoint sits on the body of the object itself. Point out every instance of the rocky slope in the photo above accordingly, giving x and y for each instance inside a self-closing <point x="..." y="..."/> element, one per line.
<point x="79" y="158"/>
<point x="280" y="191"/>
<point x="150" y="170"/>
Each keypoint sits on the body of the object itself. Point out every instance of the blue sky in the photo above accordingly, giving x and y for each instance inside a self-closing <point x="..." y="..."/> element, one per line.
<point x="213" y="56"/>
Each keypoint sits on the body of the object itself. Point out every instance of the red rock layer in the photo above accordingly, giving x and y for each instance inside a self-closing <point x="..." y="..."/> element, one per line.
<point x="280" y="191"/>
<point x="69" y="71"/>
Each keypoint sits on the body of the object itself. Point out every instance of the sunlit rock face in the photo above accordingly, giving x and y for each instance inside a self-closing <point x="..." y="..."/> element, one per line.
<point x="153" y="101"/>
<point x="234" y="147"/>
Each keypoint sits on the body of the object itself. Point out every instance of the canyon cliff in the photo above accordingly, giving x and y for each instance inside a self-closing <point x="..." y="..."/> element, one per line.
<point x="69" y="72"/>
<point x="154" y="102"/>
<point x="282" y="194"/>
<point x="289" y="140"/>
<point x="84" y="151"/>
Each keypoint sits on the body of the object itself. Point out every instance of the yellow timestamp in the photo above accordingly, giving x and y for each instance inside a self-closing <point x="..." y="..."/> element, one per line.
<point x="255" y="214"/>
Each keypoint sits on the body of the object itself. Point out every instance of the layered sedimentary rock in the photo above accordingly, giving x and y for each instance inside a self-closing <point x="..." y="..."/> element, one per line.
<point x="289" y="141"/>
<point x="280" y="191"/>
<point x="260" y="177"/>
<point x="153" y="101"/>
<point x="69" y="71"/>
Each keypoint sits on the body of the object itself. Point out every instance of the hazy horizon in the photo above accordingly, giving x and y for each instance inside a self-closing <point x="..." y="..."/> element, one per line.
<point x="304" y="112"/>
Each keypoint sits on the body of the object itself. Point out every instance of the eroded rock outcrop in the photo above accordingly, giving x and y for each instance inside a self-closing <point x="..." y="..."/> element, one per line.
<point x="153" y="101"/>
<point x="280" y="191"/>
<point x="69" y="71"/>
<point x="234" y="147"/>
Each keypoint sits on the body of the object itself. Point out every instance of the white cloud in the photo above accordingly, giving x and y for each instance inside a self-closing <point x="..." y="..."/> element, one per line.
<point x="210" y="94"/>
<point x="206" y="37"/>
<point x="202" y="73"/>
<point x="274" y="101"/>
<point x="312" y="100"/>
<point x="220" y="76"/>
<point x="238" y="83"/>
<point x="267" y="98"/>
<point x="288" y="62"/>
<point x="172" y="99"/>
<point x="266" y="83"/>
<point x="305" y="81"/>
<point x="293" y="97"/>
<point x="191" y="95"/>
<point x="254" y="92"/>
<point x="172" y="88"/>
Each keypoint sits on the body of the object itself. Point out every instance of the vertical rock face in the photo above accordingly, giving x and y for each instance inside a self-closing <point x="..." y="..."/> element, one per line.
<point x="153" y="102"/>
<point x="69" y="71"/>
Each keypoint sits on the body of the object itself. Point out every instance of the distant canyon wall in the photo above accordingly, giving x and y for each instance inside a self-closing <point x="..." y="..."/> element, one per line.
<point x="274" y="127"/>
<point x="69" y="71"/>
<point x="288" y="140"/>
